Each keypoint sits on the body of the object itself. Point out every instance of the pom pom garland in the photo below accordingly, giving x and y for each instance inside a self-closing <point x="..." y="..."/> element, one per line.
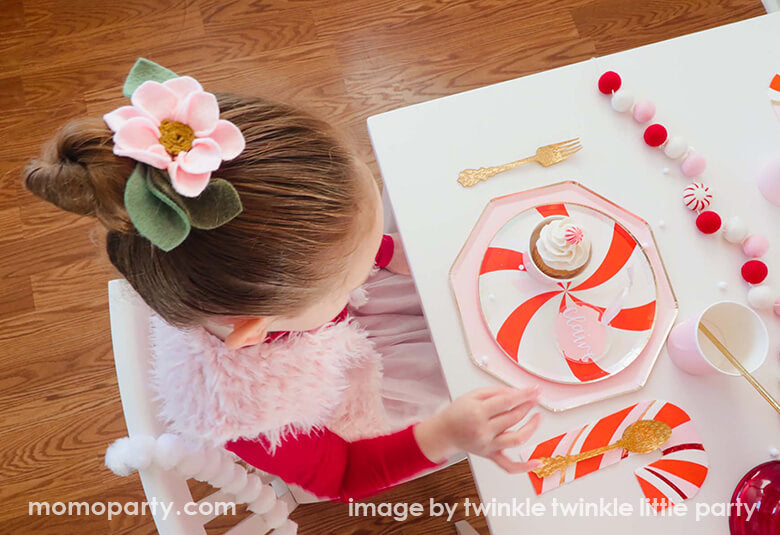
<point x="192" y="463"/>
<point x="239" y="481"/>
<point x="622" y="101"/>
<point x="128" y="454"/>
<point x="655" y="135"/>
<point x="697" y="197"/>
<point x="213" y="462"/>
<point x="708" y="222"/>
<point x="288" y="528"/>
<point x="755" y="246"/>
<point x="264" y="501"/>
<point x="754" y="271"/>
<point x="226" y="472"/>
<point x="735" y="230"/>
<point x="169" y="452"/>
<point x="694" y="165"/>
<point x="760" y="297"/>
<point x="609" y="82"/>
<point x="251" y="490"/>
<point x="277" y="515"/>
<point x="116" y="456"/>
<point x="142" y="451"/>
<point x="215" y="465"/>
<point x="644" y="111"/>
<point x="675" y="148"/>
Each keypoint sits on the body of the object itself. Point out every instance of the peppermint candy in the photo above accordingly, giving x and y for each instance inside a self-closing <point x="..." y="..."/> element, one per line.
<point x="574" y="235"/>
<point x="697" y="196"/>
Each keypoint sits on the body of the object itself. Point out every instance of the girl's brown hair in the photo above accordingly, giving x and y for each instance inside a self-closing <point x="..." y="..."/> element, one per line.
<point x="301" y="197"/>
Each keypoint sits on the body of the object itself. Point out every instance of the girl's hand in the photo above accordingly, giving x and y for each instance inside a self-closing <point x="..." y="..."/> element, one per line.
<point x="479" y="422"/>
<point x="398" y="263"/>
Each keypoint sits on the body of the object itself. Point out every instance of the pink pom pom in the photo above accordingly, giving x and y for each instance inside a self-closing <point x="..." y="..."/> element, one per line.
<point x="655" y="135"/>
<point x="769" y="179"/>
<point x="644" y="110"/>
<point x="609" y="82"/>
<point x="694" y="165"/>
<point x="755" y="246"/>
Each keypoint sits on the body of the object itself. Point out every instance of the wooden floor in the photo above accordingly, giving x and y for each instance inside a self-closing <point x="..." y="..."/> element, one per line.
<point x="344" y="59"/>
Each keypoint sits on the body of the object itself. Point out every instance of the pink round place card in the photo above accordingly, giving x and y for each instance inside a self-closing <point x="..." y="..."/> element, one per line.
<point x="571" y="330"/>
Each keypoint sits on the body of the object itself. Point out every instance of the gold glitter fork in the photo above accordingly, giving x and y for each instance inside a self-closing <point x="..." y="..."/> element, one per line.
<point x="546" y="156"/>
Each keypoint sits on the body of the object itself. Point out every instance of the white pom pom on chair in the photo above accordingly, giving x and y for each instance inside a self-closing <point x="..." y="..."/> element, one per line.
<point x="163" y="460"/>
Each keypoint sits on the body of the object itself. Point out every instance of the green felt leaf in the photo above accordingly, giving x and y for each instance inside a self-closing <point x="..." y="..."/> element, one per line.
<point x="161" y="183"/>
<point x="215" y="206"/>
<point x="144" y="70"/>
<point x="155" y="216"/>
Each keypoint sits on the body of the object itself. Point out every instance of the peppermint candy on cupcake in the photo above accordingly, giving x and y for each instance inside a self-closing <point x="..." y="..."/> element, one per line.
<point x="697" y="197"/>
<point x="574" y="235"/>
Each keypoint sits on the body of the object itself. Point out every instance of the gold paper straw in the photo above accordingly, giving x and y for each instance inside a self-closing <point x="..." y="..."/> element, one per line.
<point x="738" y="365"/>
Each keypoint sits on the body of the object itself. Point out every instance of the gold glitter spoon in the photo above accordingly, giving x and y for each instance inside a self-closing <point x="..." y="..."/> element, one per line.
<point x="642" y="436"/>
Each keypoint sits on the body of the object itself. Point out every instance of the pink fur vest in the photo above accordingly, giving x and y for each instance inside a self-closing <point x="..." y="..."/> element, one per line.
<point x="330" y="377"/>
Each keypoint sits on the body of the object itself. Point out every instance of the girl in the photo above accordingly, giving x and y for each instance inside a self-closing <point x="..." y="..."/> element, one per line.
<point x="276" y="336"/>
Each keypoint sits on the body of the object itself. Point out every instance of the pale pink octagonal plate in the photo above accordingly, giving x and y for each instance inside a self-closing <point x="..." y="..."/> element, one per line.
<point x="558" y="329"/>
<point x="483" y="348"/>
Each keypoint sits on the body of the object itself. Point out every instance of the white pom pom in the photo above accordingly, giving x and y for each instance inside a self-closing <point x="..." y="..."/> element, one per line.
<point x="191" y="463"/>
<point x="761" y="297"/>
<point x="277" y="515"/>
<point x="116" y="454"/>
<point x="227" y="472"/>
<point x="774" y="453"/>
<point x="169" y="451"/>
<point x="251" y="490"/>
<point x="675" y="147"/>
<point x="213" y="462"/>
<point x="666" y="170"/>
<point x="661" y="224"/>
<point x="238" y="482"/>
<point x="622" y="101"/>
<point x="288" y="528"/>
<point x="735" y="230"/>
<point x="263" y="503"/>
<point x="723" y="285"/>
<point x="141" y="451"/>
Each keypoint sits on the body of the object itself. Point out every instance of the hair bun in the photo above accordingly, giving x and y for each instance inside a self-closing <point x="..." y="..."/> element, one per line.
<point x="78" y="172"/>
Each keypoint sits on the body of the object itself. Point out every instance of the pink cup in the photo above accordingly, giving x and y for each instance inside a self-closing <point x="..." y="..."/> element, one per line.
<point x="738" y="327"/>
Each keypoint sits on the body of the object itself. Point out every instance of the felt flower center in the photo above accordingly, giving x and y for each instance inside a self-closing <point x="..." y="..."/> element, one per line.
<point x="175" y="136"/>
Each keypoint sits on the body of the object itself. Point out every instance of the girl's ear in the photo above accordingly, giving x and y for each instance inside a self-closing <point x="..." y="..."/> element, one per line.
<point x="247" y="332"/>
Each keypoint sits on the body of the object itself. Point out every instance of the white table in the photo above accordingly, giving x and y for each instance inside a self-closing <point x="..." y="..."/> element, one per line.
<point x="709" y="87"/>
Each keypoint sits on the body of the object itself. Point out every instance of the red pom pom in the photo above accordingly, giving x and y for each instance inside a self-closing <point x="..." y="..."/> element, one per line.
<point x="655" y="135"/>
<point x="754" y="271"/>
<point x="609" y="82"/>
<point x="708" y="222"/>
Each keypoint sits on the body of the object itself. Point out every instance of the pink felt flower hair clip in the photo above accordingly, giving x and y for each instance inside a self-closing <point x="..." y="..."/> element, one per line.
<point x="175" y="126"/>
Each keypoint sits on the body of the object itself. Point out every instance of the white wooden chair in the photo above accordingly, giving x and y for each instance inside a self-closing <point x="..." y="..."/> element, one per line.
<point x="130" y="336"/>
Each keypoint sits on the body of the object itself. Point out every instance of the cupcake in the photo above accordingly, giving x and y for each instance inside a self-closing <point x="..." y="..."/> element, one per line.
<point x="559" y="248"/>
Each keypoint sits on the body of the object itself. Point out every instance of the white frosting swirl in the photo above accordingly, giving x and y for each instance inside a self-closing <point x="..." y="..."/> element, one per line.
<point x="556" y="251"/>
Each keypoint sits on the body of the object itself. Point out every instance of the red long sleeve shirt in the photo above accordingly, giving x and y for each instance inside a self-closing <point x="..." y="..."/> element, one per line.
<point x="330" y="467"/>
